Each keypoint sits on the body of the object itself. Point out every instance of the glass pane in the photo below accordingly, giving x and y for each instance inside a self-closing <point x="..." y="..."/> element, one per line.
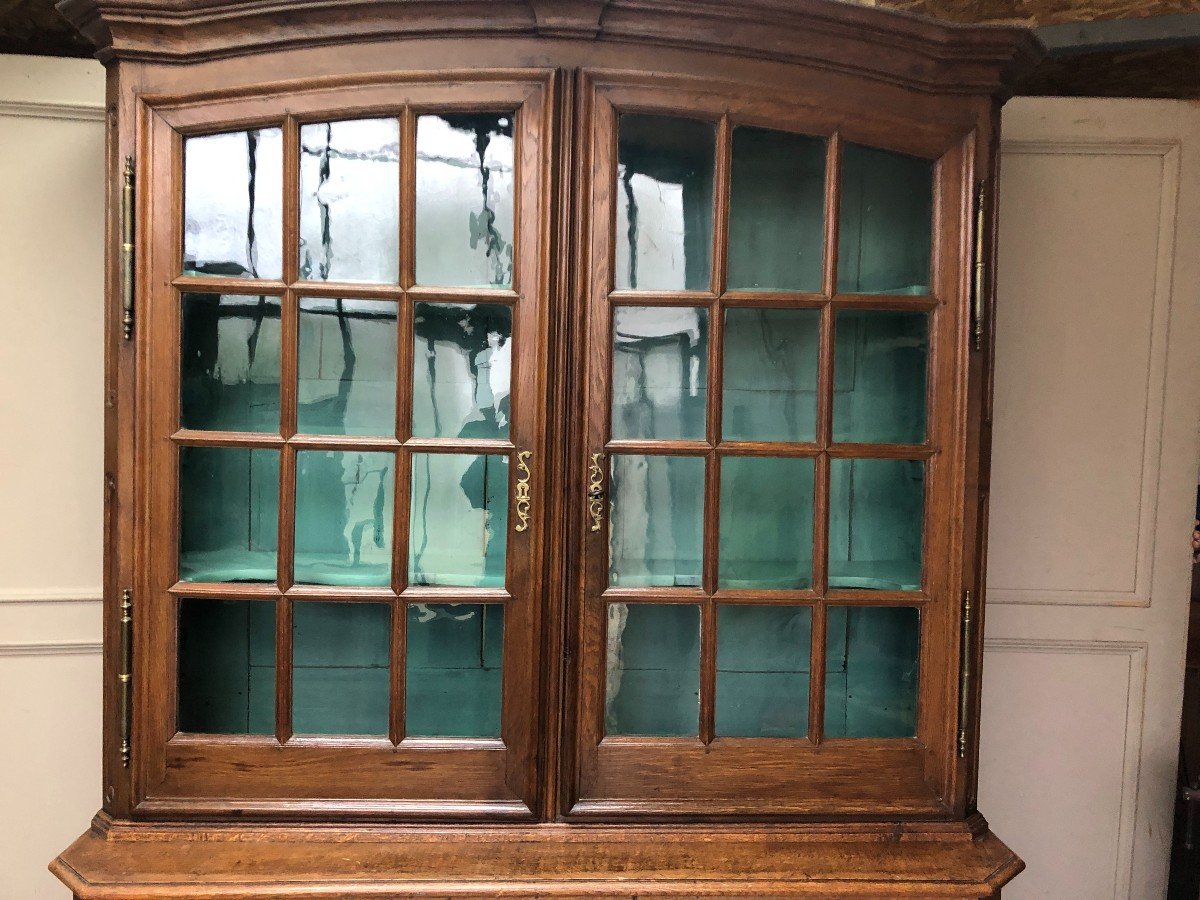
<point x="226" y="666"/>
<point x="232" y="204"/>
<point x="763" y="670"/>
<point x="656" y="549"/>
<point x="770" y="383"/>
<point x="229" y="363"/>
<point x="871" y="671"/>
<point x="766" y="522"/>
<point x="465" y="168"/>
<point x="462" y="370"/>
<point x="350" y="201"/>
<point x="876" y="516"/>
<point x="660" y="372"/>
<point x="652" y="674"/>
<point x="777" y="211"/>
<point x="347" y="367"/>
<point x="886" y="236"/>
<point x="879" y="392"/>
<point x="664" y="203"/>
<point x="454" y="660"/>
<point x="341" y="668"/>
<point x="228" y="514"/>
<point x="458" y="524"/>
<point x="344" y="517"/>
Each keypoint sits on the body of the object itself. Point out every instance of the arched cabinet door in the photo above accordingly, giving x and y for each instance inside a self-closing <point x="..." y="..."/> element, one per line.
<point x="775" y="337"/>
<point x="343" y="345"/>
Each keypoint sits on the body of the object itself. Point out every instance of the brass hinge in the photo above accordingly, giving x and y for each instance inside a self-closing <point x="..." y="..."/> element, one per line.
<point x="125" y="676"/>
<point x="979" y="286"/>
<point x="964" y="673"/>
<point x="127" y="250"/>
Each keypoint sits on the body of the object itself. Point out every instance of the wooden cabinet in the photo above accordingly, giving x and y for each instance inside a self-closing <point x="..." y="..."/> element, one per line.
<point x="546" y="448"/>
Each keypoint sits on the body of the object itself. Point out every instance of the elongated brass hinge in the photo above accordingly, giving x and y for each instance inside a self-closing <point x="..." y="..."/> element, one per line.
<point x="127" y="250"/>
<point x="964" y="673"/>
<point x="125" y="676"/>
<point x="979" y="285"/>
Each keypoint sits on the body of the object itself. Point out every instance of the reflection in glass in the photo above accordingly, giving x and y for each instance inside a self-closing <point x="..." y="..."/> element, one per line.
<point x="458" y="523"/>
<point x="660" y="372"/>
<point x="886" y="236"/>
<point x="350" y="201"/>
<point x="763" y="670"/>
<point x="229" y="363"/>
<point x="766" y="522"/>
<point x="454" y="661"/>
<point x="770" y="384"/>
<point x="462" y="370"/>
<point x="777" y="211"/>
<point x="347" y="367"/>
<point x="879" y="393"/>
<point x="228" y="514"/>
<point x="344" y="517"/>
<point x="871" y="671"/>
<point x="652" y="669"/>
<point x="232" y="204"/>
<point x="465" y="168"/>
<point x="664" y="203"/>
<point x="657" y="521"/>
<point x="226" y="666"/>
<point x="876" y="516"/>
<point x="341" y="668"/>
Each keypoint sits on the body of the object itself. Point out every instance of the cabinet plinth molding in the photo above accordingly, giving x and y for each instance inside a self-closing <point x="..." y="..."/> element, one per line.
<point x="545" y="455"/>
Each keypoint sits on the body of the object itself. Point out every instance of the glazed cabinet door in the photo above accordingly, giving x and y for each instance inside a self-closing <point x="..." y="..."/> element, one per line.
<point x="342" y="358"/>
<point x="775" y="346"/>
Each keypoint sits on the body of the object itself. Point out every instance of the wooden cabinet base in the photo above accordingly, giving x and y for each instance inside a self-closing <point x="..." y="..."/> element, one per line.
<point x="126" y="861"/>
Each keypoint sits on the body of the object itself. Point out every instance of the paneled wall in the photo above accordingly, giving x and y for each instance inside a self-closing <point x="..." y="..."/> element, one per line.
<point x="51" y="468"/>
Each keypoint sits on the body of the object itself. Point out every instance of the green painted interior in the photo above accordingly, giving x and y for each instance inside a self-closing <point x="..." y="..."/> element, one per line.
<point x="871" y="671"/>
<point x="880" y="362"/>
<point x="776" y="211"/>
<point x="766" y="527"/>
<point x="226" y="666"/>
<point x="876" y="514"/>
<point x="455" y="654"/>
<point x="656" y="520"/>
<point x="340" y="668"/>
<point x="763" y="658"/>
<point x="653" y="669"/>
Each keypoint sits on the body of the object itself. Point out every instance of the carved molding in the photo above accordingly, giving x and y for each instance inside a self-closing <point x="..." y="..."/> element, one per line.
<point x="50" y="595"/>
<point x="76" y="112"/>
<point x="894" y="47"/>
<point x="51" y="648"/>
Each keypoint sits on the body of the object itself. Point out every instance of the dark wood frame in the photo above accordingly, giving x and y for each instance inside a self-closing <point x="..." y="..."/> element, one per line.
<point x="822" y="67"/>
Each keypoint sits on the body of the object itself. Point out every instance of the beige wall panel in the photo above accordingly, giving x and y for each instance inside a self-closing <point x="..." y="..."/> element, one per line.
<point x="51" y="456"/>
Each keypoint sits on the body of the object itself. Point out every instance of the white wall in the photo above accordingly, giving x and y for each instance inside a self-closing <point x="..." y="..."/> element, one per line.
<point x="51" y="461"/>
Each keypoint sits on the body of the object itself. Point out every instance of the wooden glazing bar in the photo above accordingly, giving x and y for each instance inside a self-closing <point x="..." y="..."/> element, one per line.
<point x="816" y="674"/>
<point x="881" y="451"/>
<point x="405" y="356"/>
<point x="773" y="299"/>
<point x="658" y="448"/>
<point x="762" y="597"/>
<point x="283" y="670"/>
<point x="219" y="590"/>
<point x="708" y="671"/>
<point x="327" y="593"/>
<point x="722" y="176"/>
<point x="435" y="744"/>
<point x="426" y="593"/>
<point x="712" y="474"/>
<point x="768" y="448"/>
<point x="895" y="302"/>
<point x="660" y="298"/>
<point x="458" y="445"/>
<point x="340" y="741"/>
<point x="286" y="541"/>
<point x="362" y="443"/>
<point x="463" y="295"/>
<point x="347" y="290"/>
<point x="187" y="437"/>
<point x="291" y="200"/>
<point x="408" y="197"/>
<point x="289" y="382"/>
<point x="402" y="491"/>
<point x="654" y="595"/>
<point x="396" y="655"/>
<point x="218" y="284"/>
<point x="833" y="209"/>
<point x="862" y="597"/>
